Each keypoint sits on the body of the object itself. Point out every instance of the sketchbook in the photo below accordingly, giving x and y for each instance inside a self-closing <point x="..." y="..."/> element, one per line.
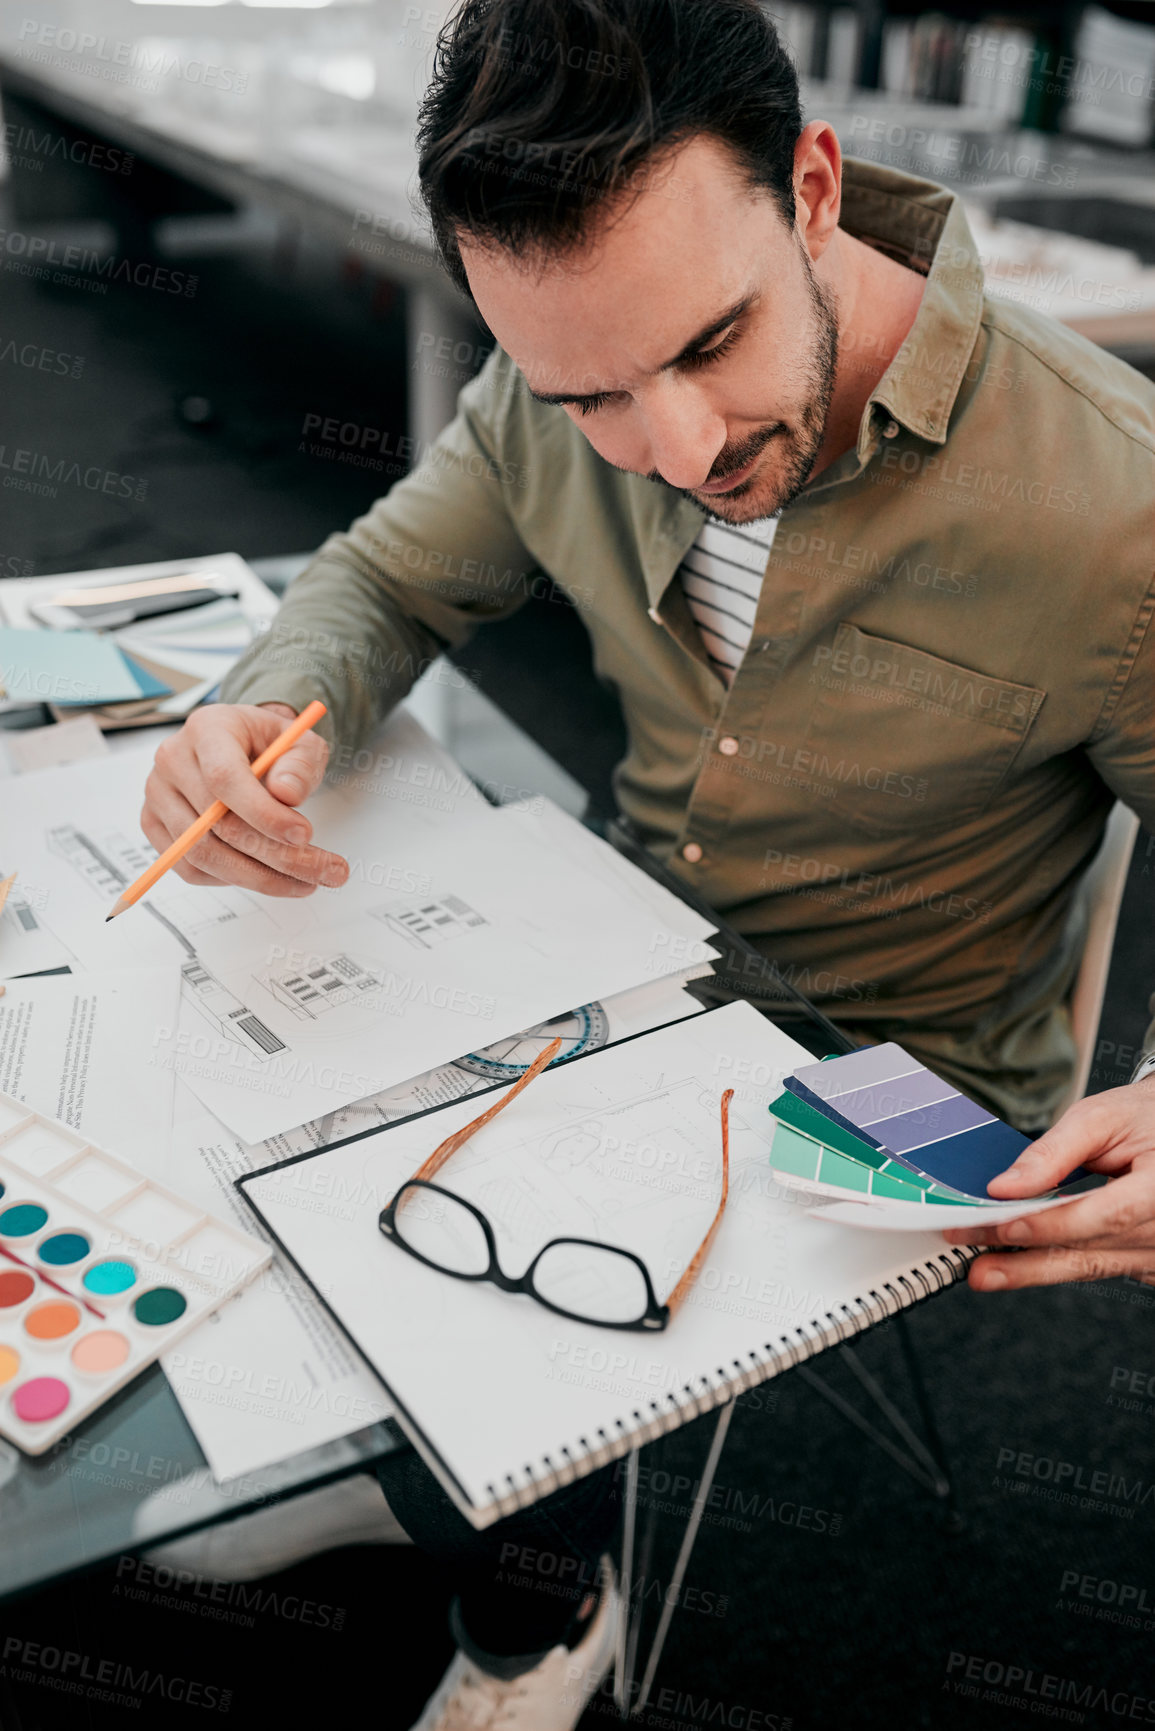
<point x="507" y="1401"/>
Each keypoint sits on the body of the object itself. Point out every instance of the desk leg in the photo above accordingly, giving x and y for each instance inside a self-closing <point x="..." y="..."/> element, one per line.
<point x="624" y="1666"/>
<point x="629" y="1528"/>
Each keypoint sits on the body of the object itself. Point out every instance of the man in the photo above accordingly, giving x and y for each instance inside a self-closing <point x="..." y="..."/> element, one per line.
<point x="866" y="556"/>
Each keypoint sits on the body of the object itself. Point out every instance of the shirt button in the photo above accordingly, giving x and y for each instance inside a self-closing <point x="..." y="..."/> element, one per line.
<point x="654" y="615"/>
<point x="890" y="431"/>
<point x="728" y="747"/>
<point x="692" y="852"/>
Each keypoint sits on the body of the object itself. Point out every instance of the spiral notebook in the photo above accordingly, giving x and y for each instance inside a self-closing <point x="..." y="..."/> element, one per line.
<point x="507" y="1401"/>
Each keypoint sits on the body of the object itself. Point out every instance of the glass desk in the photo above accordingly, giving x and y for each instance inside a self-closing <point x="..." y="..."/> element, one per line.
<point x="133" y="1475"/>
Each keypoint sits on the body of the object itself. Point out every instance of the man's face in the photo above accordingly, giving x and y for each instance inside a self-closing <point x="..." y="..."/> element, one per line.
<point x="688" y="337"/>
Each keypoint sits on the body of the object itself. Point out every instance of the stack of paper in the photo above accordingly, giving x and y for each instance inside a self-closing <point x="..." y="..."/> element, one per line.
<point x="879" y="1132"/>
<point x="466" y="937"/>
<point x="153" y="670"/>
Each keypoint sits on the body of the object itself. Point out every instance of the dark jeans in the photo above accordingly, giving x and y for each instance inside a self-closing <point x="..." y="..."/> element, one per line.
<point x="521" y="1581"/>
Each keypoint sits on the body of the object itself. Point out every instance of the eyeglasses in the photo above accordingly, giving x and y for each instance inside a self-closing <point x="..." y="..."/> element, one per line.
<point x="580" y="1278"/>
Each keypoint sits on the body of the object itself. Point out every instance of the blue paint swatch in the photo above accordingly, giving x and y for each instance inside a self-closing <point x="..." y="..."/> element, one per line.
<point x="893" y="1103"/>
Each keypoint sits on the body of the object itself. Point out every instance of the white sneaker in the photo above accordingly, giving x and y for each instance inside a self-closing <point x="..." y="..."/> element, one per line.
<point x="551" y="1697"/>
<point x="352" y="1511"/>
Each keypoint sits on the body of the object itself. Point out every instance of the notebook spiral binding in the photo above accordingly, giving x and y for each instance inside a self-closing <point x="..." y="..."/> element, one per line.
<point x="809" y="1339"/>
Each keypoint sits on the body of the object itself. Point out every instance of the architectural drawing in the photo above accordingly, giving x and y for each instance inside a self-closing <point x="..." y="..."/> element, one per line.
<point x="431" y="922"/>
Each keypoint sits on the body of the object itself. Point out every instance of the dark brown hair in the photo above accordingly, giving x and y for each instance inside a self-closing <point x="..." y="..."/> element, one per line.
<point x="539" y="111"/>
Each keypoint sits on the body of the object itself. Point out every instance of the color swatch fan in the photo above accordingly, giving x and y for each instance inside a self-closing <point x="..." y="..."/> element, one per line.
<point x="101" y="1270"/>
<point x="895" y="1105"/>
<point x="878" y="1140"/>
<point x="832" y="1162"/>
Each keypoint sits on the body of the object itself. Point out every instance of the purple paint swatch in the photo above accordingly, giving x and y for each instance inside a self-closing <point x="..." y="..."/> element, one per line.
<point x="892" y="1102"/>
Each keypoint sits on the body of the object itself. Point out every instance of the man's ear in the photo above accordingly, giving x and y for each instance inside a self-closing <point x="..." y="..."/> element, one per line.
<point x="817" y="187"/>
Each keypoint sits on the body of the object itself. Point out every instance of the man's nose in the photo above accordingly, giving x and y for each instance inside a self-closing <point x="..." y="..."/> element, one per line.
<point x="685" y="436"/>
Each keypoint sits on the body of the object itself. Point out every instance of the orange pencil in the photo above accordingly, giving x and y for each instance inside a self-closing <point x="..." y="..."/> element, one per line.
<point x="309" y="717"/>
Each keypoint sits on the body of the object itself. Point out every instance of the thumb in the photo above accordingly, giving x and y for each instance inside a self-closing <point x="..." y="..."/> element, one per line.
<point x="1077" y="1137"/>
<point x="296" y="775"/>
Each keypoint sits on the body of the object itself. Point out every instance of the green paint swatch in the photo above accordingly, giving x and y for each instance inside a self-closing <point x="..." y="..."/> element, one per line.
<point x="789" y="1109"/>
<point x="805" y="1157"/>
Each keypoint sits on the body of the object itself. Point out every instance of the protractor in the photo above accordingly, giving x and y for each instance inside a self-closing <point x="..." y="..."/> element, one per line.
<point x="581" y="1030"/>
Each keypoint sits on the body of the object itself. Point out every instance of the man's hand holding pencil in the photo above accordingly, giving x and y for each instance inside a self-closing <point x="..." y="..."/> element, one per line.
<point x="262" y="841"/>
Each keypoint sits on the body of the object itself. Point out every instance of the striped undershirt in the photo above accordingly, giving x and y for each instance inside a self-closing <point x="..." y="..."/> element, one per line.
<point x="722" y="579"/>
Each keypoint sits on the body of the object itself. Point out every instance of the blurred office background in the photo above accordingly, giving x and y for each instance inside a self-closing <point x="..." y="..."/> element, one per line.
<point x="250" y="324"/>
<point x="220" y="285"/>
<point x="237" y="179"/>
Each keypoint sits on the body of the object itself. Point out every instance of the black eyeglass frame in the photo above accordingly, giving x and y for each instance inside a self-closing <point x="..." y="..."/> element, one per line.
<point x="655" y="1316"/>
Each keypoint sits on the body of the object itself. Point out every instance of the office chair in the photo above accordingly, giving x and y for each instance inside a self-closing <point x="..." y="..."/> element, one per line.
<point x="1101" y="893"/>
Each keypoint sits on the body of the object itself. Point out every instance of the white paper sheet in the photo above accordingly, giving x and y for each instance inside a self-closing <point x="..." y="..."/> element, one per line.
<point x="271" y="1374"/>
<point x="77" y="1046"/>
<point x="33" y="748"/>
<point x="503" y="932"/>
<point x="74" y="837"/>
<point x="26" y="944"/>
<point x="892" y="1216"/>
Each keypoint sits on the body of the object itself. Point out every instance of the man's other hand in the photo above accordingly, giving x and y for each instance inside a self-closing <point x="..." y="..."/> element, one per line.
<point x="1106" y="1233"/>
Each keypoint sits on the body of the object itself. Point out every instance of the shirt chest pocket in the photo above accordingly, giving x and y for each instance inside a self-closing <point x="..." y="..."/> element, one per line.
<point x="902" y="740"/>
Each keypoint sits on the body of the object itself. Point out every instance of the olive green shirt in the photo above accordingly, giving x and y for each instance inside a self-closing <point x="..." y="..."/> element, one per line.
<point x="951" y="675"/>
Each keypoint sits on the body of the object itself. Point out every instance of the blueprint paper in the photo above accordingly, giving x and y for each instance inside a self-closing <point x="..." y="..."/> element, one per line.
<point x="504" y="932"/>
<point x="458" y="926"/>
<point x="275" y="1377"/>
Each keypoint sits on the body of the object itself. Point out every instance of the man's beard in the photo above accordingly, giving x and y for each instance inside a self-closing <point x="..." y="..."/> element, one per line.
<point x="800" y="448"/>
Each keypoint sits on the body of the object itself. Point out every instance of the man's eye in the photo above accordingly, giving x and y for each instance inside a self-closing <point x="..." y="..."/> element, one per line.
<point x="703" y="357"/>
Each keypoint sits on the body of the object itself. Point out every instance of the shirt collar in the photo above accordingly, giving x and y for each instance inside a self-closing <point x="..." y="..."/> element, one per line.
<point x="923" y="225"/>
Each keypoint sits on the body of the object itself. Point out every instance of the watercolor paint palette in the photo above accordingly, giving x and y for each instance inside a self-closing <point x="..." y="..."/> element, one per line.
<point x="101" y="1270"/>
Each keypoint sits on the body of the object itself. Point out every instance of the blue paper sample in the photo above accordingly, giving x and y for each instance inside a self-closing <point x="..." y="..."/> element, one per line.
<point x="63" y="667"/>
